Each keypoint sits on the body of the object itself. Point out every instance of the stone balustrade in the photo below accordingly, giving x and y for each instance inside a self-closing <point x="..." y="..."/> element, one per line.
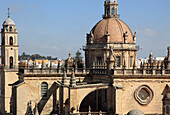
<point x="96" y="71"/>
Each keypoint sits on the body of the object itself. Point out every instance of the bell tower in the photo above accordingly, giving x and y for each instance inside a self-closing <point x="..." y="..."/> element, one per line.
<point x="9" y="45"/>
<point x="9" y="61"/>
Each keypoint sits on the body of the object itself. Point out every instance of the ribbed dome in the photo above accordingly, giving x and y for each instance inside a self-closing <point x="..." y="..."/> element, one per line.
<point x="9" y="22"/>
<point x="115" y="27"/>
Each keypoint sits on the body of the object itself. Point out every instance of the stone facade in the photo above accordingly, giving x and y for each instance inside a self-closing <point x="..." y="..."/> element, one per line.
<point x="109" y="84"/>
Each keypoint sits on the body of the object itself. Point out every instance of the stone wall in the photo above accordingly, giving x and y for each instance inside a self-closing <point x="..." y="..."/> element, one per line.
<point x="125" y="97"/>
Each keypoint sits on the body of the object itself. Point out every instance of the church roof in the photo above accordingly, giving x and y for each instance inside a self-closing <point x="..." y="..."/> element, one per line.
<point x="9" y="22"/>
<point x="17" y="83"/>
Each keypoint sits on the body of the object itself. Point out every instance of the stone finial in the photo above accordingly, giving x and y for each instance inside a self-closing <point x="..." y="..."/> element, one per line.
<point x="134" y="37"/>
<point x="169" y="53"/>
<point x="125" y="35"/>
<point x="89" y="108"/>
<point x="64" y="78"/>
<point x="69" y="55"/>
<point x="72" y="80"/>
<point x="144" y="64"/>
<point x="29" y="109"/>
<point x="162" y="65"/>
<point x="158" y="64"/>
<point x="36" y="109"/>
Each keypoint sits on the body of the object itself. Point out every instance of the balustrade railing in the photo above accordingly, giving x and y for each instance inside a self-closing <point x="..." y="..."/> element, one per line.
<point x="100" y="70"/>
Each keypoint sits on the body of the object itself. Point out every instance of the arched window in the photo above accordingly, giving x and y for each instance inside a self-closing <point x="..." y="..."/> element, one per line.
<point x="10" y="29"/>
<point x="11" y="62"/>
<point x="6" y="27"/>
<point x="44" y="89"/>
<point x="131" y="58"/>
<point x="11" y="40"/>
<point x="118" y="61"/>
<point x="113" y="11"/>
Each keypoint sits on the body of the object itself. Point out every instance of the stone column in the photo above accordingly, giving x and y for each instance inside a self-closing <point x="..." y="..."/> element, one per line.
<point x="61" y="100"/>
<point x="55" y="101"/>
<point x="118" y="99"/>
<point x="97" y="101"/>
<point x="110" y="99"/>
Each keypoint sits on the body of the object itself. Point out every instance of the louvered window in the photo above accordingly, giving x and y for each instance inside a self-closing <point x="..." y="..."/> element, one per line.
<point x="44" y="88"/>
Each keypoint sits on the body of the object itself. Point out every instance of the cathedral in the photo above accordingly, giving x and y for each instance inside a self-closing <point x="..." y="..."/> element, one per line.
<point x="109" y="83"/>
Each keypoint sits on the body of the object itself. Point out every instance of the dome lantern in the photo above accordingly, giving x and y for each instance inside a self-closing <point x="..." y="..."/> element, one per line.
<point x="111" y="9"/>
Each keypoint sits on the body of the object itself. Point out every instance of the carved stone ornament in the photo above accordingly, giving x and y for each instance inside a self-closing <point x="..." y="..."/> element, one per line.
<point x="144" y="95"/>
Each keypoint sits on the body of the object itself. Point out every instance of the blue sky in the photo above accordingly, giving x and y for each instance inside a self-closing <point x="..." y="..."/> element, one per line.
<point x="57" y="27"/>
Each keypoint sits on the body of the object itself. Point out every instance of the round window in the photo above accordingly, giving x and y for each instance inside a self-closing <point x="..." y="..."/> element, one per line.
<point x="144" y="95"/>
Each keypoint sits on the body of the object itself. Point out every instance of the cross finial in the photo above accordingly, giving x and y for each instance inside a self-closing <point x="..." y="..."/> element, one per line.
<point x="8" y="13"/>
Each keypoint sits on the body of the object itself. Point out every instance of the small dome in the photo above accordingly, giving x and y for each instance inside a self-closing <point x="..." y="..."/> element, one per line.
<point x="116" y="29"/>
<point x="9" y="22"/>
<point x="136" y="112"/>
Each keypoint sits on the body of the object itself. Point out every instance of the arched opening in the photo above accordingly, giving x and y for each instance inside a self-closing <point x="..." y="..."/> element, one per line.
<point x="11" y="40"/>
<point x="44" y="89"/>
<point x="11" y="62"/>
<point x="6" y="28"/>
<point x="113" y="11"/>
<point x="10" y="29"/>
<point x="131" y="59"/>
<point x="96" y="100"/>
<point x="118" y="61"/>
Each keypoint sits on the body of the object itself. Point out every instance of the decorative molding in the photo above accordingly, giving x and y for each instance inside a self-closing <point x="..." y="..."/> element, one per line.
<point x="144" y="95"/>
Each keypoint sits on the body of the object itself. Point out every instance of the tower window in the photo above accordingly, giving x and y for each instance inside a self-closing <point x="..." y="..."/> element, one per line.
<point x="10" y="29"/>
<point x="6" y="27"/>
<point x="131" y="61"/>
<point x="118" y="61"/>
<point x="44" y="89"/>
<point x="11" y="40"/>
<point x="113" y="11"/>
<point x="11" y="62"/>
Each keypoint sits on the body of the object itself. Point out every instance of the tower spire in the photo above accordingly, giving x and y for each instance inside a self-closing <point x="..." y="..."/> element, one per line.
<point x="111" y="9"/>
<point x="8" y="13"/>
